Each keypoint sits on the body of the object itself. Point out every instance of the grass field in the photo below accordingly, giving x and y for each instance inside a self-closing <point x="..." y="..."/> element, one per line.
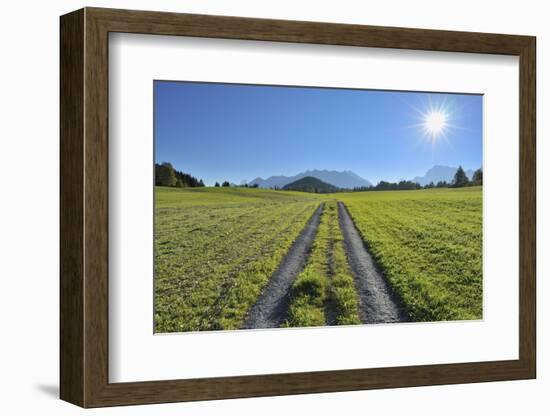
<point x="324" y="293"/>
<point x="215" y="248"/>
<point x="429" y="244"/>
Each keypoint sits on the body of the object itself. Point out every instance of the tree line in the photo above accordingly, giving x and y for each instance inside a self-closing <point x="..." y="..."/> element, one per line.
<point x="226" y="184"/>
<point x="166" y="175"/>
<point x="460" y="180"/>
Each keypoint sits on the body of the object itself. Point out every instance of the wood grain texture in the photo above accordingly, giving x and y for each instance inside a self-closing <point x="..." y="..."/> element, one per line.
<point x="527" y="208"/>
<point x="84" y="207"/>
<point x="96" y="208"/>
<point x="162" y="23"/>
<point x="71" y="208"/>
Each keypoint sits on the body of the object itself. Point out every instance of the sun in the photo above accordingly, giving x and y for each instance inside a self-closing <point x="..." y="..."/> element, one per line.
<point x="436" y="119"/>
<point x="435" y="123"/>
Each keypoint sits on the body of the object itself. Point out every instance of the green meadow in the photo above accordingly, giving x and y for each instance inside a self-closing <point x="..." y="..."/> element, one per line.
<point x="216" y="249"/>
<point x="429" y="245"/>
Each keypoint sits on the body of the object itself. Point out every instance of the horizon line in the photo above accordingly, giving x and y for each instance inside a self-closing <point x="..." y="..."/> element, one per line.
<point x="330" y="170"/>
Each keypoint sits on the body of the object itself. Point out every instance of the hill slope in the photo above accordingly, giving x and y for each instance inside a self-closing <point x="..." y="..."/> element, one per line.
<point x="310" y="184"/>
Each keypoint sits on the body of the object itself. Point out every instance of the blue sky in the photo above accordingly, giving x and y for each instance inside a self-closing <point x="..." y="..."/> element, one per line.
<point x="239" y="132"/>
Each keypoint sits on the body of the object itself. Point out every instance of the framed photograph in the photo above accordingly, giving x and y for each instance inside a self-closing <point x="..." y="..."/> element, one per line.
<point x="256" y="207"/>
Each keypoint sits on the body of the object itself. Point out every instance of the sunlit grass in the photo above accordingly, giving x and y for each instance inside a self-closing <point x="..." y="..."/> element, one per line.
<point x="429" y="244"/>
<point x="325" y="289"/>
<point x="215" y="249"/>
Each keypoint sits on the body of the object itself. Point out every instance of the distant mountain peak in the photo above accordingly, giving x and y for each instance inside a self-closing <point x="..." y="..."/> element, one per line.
<point x="439" y="173"/>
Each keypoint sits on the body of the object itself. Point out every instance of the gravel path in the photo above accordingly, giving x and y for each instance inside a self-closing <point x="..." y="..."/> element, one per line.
<point x="271" y="308"/>
<point x="377" y="302"/>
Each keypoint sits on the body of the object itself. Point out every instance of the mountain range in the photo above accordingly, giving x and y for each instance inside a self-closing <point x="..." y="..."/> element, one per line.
<point x="349" y="180"/>
<point x="346" y="179"/>
<point x="440" y="173"/>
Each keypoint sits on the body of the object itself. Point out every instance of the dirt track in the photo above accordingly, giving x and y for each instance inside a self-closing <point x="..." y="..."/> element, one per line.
<point x="377" y="303"/>
<point x="271" y="308"/>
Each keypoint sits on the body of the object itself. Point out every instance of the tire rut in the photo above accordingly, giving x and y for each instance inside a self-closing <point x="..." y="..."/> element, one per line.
<point x="270" y="310"/>
<point x="377" y="302"/>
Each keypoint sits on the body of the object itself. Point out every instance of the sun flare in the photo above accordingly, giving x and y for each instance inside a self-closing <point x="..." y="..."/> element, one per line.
<point x="435" y="123"/>
<point x="436" y="119"/>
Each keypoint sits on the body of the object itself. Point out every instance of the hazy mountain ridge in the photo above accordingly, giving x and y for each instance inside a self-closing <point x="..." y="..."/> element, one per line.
<point x="440" y="173"/>
<point x="346" y="179"/>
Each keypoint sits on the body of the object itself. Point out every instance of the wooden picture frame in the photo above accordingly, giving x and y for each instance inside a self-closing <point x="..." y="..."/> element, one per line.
<point x="84" y="207"/>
